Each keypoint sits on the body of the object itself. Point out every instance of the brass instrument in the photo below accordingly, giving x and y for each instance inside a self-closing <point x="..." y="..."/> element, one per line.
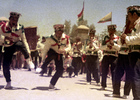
<point x="127" y="29"/>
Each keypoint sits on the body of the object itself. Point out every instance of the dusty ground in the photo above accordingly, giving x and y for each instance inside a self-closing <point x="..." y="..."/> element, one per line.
<point x="30" y="86"/>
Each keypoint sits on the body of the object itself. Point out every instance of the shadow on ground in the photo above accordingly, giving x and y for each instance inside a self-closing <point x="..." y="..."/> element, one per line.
<point x="17" y="88"/>
<point x="1" y="86"/>
<point x="110" y="95"/>
<point x="81" y="83"/>
<point x="43" y="88"/>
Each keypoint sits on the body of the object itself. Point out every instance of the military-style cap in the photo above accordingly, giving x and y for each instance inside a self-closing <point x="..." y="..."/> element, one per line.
<point x="133" y="8"/>
<point x="112" y="26"/>
<point x="59" y="27"/>
<point x="92" y="31"/>
<point x="15" y="14"/>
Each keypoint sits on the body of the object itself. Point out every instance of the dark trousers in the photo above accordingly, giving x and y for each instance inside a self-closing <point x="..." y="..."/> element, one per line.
<point x="9" y="51"/>
<point x="70" y="70"/>
<point x="107" y="60"/>
<point x="50" y="70"/>
<point x="134" y="59"/>
<point x="40" y="58"/>
<point x="83" y="68"/>
<point x="35" y="54"/>
<point x="122" y="66"/>
<point x="52" y="55"/>
<point x="92" y="63"/>
<point x="1" y="56"/>
<point x="76" y="63"/>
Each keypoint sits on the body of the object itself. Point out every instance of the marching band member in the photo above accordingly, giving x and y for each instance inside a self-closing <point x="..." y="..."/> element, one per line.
<point x="39" y="48"/>
<point x="76" y="55"/>
<point x="122" y="67"/>
<point x="55" y="46"/>
<point x="92" y="60"/>
<point x="133" y="42"/>
<point x="110" y="48"/>
<point x="51" y="67"/>
<point x="14" y="40"/>
<point x="1" y="42"/>
<point x="67" y="64"/>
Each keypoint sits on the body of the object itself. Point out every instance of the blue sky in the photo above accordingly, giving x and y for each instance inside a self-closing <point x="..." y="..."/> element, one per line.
<point x="45" y="13"/>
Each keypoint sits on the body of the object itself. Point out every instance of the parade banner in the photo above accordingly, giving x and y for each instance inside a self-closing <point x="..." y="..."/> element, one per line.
<point x="80" y="15"/>
<point x="107" y="18"/>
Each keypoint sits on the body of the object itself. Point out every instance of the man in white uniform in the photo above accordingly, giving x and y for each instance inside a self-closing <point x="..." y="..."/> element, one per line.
<point x="133" y="42"/>
<point x="14" y="39"/>
<point x="55" y="46"/>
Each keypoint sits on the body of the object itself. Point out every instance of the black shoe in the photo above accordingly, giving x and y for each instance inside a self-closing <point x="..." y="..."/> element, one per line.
<point x="49" y="75"/>
<point x="75" y="76"/>
<point x="41" y="74"/>
<point x="29" y="69"/>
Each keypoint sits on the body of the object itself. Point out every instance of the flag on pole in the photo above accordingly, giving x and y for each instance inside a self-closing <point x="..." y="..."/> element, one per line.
<point x="107" y="18"/>
<point x="80" y="15"/>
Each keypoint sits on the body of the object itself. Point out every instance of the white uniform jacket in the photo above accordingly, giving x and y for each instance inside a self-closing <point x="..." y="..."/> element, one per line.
<point x="67" y="61"/>
<point x="13" y="35"/>
<point x="39" y="47"/>
<point x="76" y="50"/>
<point x="63" y="43"/>
<point x="110" y="51"/>
<point x="133" y="41"/>
<point x="124" y="48"/>
<point x="92" y="46"/>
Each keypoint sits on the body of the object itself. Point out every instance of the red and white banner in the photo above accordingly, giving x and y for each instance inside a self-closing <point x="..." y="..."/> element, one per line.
<point x="80" y="15"/>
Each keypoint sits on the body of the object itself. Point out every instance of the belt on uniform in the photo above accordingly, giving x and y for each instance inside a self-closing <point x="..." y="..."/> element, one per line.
<point x="134" y="47"/>
<point x="76" y="52"/>
<point x="95" y="52"/>
<point x="92" y="52"/>
<point x="110" y="52"/>
<point x="124" y="49"/>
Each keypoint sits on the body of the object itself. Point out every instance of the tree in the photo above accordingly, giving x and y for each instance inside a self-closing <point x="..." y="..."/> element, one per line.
<point x="67" y="27"/>
<point x="102" y="35"/>
<point x="92" y="26"/>
<point x="82" y="22"/>
<point x="73" y="32"/>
